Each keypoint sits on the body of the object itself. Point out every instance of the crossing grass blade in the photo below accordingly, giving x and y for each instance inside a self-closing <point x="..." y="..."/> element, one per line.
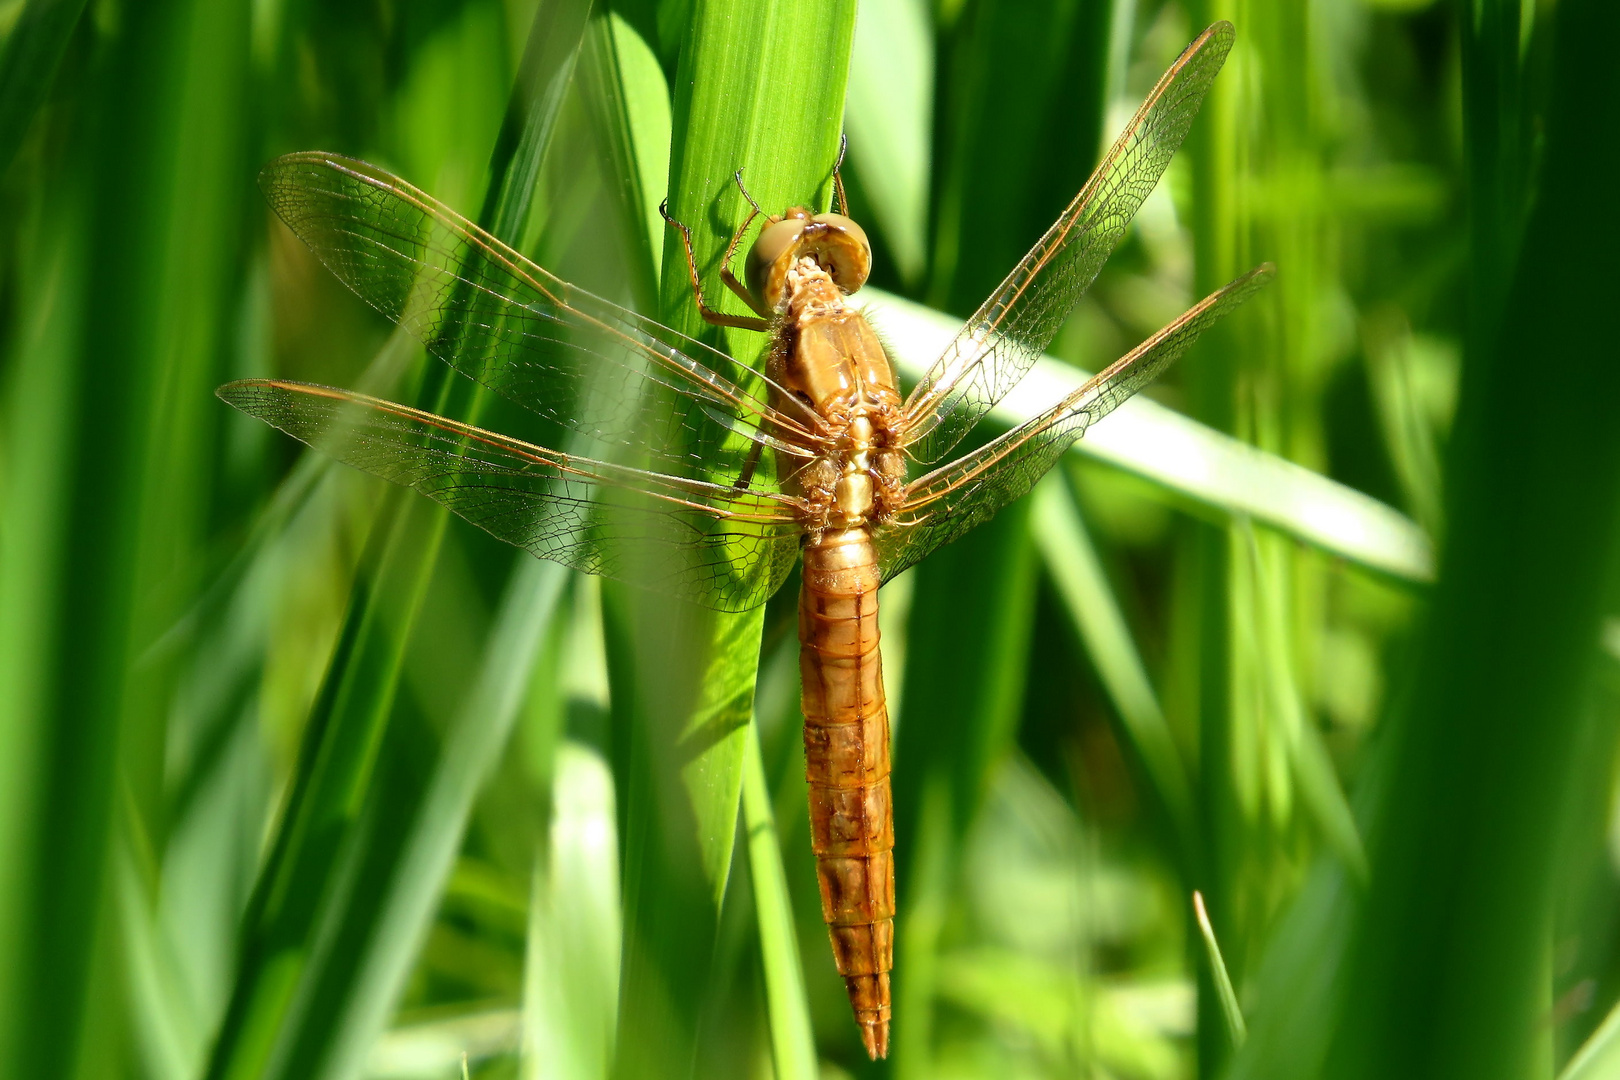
<point x="1189" y="460"/>
<point x="1599" y="1056"/>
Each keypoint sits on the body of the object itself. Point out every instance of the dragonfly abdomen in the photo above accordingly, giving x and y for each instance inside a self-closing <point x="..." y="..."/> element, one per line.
<point x="846" y="744"/>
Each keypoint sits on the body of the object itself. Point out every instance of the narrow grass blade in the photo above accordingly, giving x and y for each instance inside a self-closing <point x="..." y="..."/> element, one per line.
<point x="632" y="114"/>
<point x="792" y="1042"/>
<point x="39" y="433"/>
<point x="891" y="102"/>
<point x="967" y="656"/>
<point x="1296" y="742"/>
<point x="1599" y="1057"/>
<point x="1078" y="573"/>
<point x="1223" y="982"/>
<point x="571" y="977"/>
<point x="1185" y="457"/>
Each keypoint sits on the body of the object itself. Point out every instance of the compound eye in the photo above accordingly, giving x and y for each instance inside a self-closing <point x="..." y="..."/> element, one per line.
<point x="774" y="245"/>
<point x="844" y="250"/>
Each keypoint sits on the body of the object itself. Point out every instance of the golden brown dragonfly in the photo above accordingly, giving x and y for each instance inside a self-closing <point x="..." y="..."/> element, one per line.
<point x="692" y="473"/>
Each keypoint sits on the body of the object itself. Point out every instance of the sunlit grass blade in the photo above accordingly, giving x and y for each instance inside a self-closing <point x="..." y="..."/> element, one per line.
<point x="792" y="1042"/>
<point x="1599" y="1056"/>
<point x="571" y="977"/>
<point x="1235" y="1026"/>
<point x="1078" y="574"/>
<point x="1186" y="457"/>
<point x="630" y="100"/>
<point x="891" y="100"/>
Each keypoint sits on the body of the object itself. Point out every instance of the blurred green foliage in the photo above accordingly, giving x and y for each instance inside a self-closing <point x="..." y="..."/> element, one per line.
<point x="300" y="777"/>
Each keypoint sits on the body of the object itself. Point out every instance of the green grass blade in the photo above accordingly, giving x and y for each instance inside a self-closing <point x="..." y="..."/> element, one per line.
<point x="1235" y="1027"/>
<point x="1081" y="582"/>
<point x="322" y="841"/>
<point x="28" y="65"/>
<point x="394" y="901"/>
<point x="967" y="652"/>
<point x="632" y="106"/>
<point x="1188" y="458"/>
<point x="792" y="1042"/>
<point x="1298" y="759"/>
<point x="39" y="432"/>
<point x="1449" y="971"/>
<point x="571" y="981"/>
<point x="105" y="514"/>
<point x="683" y="678"/>
<point x="1599" y="1056"/>
<point x="891" y="101"/>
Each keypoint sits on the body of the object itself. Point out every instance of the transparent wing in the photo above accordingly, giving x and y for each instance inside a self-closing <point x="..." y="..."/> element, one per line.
<point x="722" y="547"/>
<point x="1016" y="323"/>
<point x="944" y="504"/>
<point x="577" y="360"/>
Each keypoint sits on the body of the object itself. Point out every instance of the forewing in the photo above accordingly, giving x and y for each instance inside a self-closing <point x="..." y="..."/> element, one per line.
<point x="1015" y="324"/>
<point x="722" y="547"/>
<point x="577" y="360"/>
<point x="944" y="504"/>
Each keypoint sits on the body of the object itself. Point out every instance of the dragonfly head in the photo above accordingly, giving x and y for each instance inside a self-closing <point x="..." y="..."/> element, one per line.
<point x="833" y="240"/>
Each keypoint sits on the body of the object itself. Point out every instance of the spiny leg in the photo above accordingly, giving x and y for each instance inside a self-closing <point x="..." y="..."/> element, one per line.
<point x="710" y="315"/>
<point x="726" y="274"/>
<point x="841" y="199"/>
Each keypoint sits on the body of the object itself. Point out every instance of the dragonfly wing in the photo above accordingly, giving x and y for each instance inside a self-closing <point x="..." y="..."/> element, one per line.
<point x="723" y="547"/>
<point x="579" y="361"/>
<point x="944" y="504"/>
<point x="1016" y="323"/>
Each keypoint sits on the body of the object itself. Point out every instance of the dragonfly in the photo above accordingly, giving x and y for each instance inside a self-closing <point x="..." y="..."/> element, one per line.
<point x="683" y="470"/>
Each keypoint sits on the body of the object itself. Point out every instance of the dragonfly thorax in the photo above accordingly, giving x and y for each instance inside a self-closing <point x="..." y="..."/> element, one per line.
<point x="827" y="355"/>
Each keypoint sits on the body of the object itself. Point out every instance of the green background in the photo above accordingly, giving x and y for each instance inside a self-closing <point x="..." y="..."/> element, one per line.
<point x="301" y="778"/>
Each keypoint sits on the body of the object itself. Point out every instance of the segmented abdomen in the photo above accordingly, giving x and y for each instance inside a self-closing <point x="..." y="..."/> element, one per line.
<point x="846" y="747"/>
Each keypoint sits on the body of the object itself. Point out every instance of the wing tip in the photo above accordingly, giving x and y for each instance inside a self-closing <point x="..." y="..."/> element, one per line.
<point x="237" y="390"/>
<point x="1221" y="31"/>
<point x="280" y="175"/>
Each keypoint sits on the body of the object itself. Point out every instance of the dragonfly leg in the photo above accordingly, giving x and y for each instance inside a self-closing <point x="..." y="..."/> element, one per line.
<point x="842" y="204"/>
<point x="710" y="315"/>
<point x="737" y="177"/>
<point x="726" y="274"/>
